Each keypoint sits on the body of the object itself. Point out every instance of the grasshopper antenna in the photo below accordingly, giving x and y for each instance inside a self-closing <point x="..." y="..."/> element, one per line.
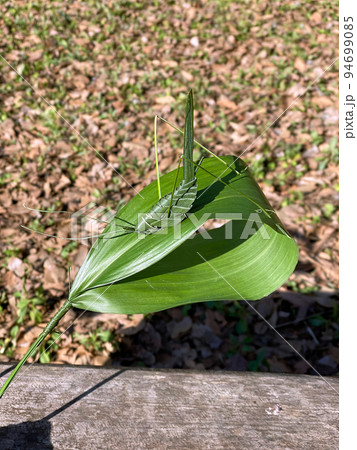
<point x="68" y="238"/>
<point x="45" y="210"/>
<point x="48" y="211"/>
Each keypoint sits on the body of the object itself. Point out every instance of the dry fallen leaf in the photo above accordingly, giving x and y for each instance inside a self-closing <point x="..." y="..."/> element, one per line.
<point x="224" y="102"/>
<point x="166" y="100"/>
<point x="17" y="266"/>
<point x="300" y="65"/>
<point x="54" y="275"/>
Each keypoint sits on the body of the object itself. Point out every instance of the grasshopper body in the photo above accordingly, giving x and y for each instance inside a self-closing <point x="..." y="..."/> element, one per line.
<point x="172" y="208"/>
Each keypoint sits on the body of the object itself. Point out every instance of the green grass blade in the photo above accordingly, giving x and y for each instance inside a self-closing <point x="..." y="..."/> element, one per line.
<point x="239" y="172"/>
<point x="188" y="169"/>
<point x="157" y="159"/>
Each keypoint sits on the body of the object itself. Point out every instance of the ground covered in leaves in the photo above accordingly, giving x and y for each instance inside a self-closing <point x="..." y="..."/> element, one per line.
<point x="108" y="68"/>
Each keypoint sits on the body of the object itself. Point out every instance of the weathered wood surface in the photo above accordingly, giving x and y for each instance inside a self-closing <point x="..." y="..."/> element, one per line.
<point x="64" y="407"/>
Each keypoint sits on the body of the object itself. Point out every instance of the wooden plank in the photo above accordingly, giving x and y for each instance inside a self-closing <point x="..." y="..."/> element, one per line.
<point x="66" y="407"/>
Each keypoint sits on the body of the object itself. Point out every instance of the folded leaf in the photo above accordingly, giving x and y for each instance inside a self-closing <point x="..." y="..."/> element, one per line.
<point x="132" y="274"/>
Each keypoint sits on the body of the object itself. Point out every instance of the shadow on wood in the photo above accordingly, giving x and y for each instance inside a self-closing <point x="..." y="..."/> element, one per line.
<point x="37" y="435"/>
<point x="31" y="435"/>
<point x="8" y="370"/>
<point x="50" y="407"/>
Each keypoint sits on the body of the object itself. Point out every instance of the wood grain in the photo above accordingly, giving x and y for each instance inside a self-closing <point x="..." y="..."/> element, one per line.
<point x="64" y="407"/>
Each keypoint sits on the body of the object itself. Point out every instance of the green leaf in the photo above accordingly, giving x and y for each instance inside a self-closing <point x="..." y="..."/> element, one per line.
<point x="131" y="274"/>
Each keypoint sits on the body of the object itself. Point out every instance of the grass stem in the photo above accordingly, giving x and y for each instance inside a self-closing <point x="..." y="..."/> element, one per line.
<point x="32" y="350"/>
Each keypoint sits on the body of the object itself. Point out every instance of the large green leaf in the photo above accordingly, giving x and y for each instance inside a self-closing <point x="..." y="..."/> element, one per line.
<point x="136" y="274"/>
